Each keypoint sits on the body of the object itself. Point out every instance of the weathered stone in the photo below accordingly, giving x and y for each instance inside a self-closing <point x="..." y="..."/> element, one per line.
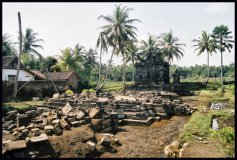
<point x="80" y="115"/>
<point x="5" y="132"/>
<point x="91" y="143"/>
<point x="56" y="121"/>
<point x="56" y="96"/>
<point x="36" y="131"/>
<point x="25" y="131"/>
<point x="11" y="115"/>
<point x="57" y="129"/>
<point x="13" y="145"/>
<point x="48" y="127"/>
<point x="11" y="127"/>
<point x="23" y="120"/>
<point x="30" y="126"/>
<point x="75" y="124"/>
<point x="73" y="119"/>
<point x="105" y="141"/>
<point x="42" y="125"/>
<point x="93" y="112"/>
<point x="151" y="113"/>
<point x="82" y="122"/>
<point x="15" y="133"/>
<point x="6" y="124"/>
<point x="64" y="124"/>
<point x="42" y="137"/>
<point x="31" y="113"/>
<point x="66" y="109"/>
<point x="157" y="119"/>
<point x="21" y="128"/>
<point x="120" y="113"/>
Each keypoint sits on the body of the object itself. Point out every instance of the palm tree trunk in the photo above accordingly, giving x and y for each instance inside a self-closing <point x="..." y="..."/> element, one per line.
<point x="19" y="58"/>
<point x="123" y="76"/>
<point x="208" y="74"/>
<point x="221" y="70"/>
<point x="98" y="81"/>
<point x="133" y="74"/>
<point x="107" y="72"/>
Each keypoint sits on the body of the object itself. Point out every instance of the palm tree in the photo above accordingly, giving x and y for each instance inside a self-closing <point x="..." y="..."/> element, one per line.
<point x="7" y="48"/>
<point x="204" y="43"/>
<point x="102" y="43"/>
<point x="170" y="46"/>
<point x="221" y="35"/>
<point x="118" y="30"/>
<point x="30" y="42"/>
<point x="68" y="61"/>
<point x="132" y="55"/>
<point x="149" y="48"/>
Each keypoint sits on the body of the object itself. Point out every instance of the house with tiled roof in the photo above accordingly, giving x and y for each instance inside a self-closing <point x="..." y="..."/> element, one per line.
<point x="70" y="77"/>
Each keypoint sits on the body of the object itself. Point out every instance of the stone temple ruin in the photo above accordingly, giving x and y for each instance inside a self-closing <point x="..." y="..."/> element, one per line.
<point x="152" y="71"/>
<point x="103" y="113"/>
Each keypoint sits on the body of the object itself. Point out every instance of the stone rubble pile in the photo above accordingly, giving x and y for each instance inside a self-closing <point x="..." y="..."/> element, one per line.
<point x="102" y="114"/>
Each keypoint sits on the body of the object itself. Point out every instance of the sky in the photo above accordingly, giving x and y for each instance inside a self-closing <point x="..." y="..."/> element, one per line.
<point x="64" y="25"/>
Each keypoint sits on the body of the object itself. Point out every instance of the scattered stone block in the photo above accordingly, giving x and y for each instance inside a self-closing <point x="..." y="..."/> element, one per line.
<point x="66" y="109"/>
<point x="11" y="127"/>
<point x="42" y="137"/>
<point x="57" y="129"/>
<point x="64" y="124"/>
<point x="56" y="121"/>
<point x="15" y="133"/>
<point x="75" y="124"/>
<point x="93" y="112"/>
<point x="21" y="128"/>
<point x="13" y="145"/>
<point x="80" y="115"/>
<point x="56" y="96"/>
<point x="105" y="141"/>
<point x="23" y="120"/>
<point x="91" y="143"/>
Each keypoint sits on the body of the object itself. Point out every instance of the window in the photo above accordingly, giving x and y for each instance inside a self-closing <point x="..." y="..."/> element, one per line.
<point x="11" y="77"/>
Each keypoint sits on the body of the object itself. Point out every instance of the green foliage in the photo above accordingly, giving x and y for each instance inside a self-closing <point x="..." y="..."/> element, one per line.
<point x="88" y="90"/>
<point x="21" y="108"/>
<point x="198" y="126"/>
<point x="7" y="47"/>
<point x="226" y="137"/>
<point x="69" y="92"/>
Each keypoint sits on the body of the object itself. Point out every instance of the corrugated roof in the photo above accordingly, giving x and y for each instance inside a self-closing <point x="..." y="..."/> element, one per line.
<point x="38" y="73"/>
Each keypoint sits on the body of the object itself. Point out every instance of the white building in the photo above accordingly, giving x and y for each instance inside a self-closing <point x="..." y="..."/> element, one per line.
<point x="9" y="70"/>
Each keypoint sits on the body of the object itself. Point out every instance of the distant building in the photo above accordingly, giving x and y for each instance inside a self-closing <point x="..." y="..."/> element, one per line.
<point x="9" y="70"/>
<point x="70" y="77"/>
<point x="152" y="71"/>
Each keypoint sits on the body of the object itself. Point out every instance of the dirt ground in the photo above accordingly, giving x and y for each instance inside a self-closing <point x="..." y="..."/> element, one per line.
<point x="208" y="149"/>
<point x="147" y="141"/>
<point x="137" y="141"/>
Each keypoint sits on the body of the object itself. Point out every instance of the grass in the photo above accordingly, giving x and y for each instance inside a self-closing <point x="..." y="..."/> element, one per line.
<point x="114" y="86"/>
<point x="199" y="125"/>
<point x="200" y="122"/>
<point x="19" y="106"/>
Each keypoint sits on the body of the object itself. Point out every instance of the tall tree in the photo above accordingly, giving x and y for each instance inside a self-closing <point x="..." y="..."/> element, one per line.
<point x="30" y="42"/>
<point x="149" y="48"/>
<point x="205" y="43"/>
<point x="102" y="44"/>
<point x="90" y="61"/>
<point x="221" y="35"/>
<point x="68" y="61"/>
<point x="170" y="46"/>
<point x="7" y="47"/>
<point x="19" y="57"/>
<point x="118" y="30"/>
<point x="132" y="55"/>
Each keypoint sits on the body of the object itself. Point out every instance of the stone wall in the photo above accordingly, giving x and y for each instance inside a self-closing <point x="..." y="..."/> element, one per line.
<point x="39" y="88"/>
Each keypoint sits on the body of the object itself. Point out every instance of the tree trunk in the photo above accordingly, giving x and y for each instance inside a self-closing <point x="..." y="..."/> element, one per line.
<point x="124" y="76"/>
<point x="208" y="74"/>
<point x="221" y="66"/>
<point x="221" y="70"/>
<point x="133" y="74"/>
<point x="19" y="58"/>
<point x="98" y="81"/>
<point x="107" y="72"/>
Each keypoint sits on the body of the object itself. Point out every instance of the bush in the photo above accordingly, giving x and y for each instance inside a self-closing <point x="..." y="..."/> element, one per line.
<point x="69" y="92"/>
<point x="226" y="138"/>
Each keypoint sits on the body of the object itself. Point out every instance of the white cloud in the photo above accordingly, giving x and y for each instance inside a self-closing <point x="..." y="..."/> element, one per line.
<point x="217" y="8"/>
